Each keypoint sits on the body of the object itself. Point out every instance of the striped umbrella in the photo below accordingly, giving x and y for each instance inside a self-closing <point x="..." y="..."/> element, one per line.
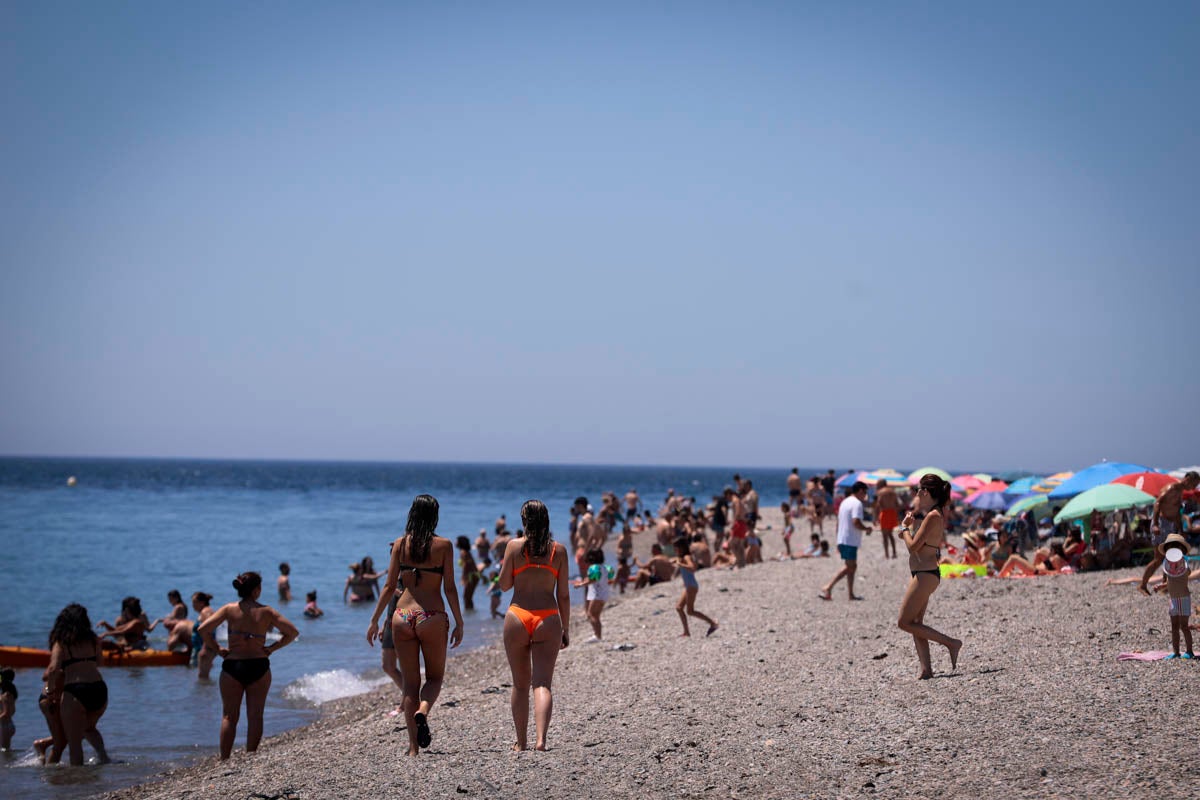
<point x="1049" y="484"/>
<point x="1030" y="502"/>
<point x="892" y="478"/>
<point x="914" y="477"/>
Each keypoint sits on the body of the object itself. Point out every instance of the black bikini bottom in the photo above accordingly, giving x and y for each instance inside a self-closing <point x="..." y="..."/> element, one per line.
<point x="246" y="670"/>
<point x="92" y="696"/>
<point x="937" y="573"/>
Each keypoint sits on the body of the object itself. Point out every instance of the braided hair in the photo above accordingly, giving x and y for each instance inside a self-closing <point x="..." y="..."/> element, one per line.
<point x="536" y="519"/>
<point x="422" y="522"/>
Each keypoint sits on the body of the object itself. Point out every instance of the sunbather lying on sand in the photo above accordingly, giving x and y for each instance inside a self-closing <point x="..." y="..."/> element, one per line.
<point x="1045" y="562"/>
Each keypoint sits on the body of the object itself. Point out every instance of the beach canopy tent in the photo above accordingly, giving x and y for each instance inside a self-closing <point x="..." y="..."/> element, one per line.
<point x="915" y="476"/>
<point x="1022" y="486"/>
<point x="989" y="501"/>
<point x="1106" y="497"/>
<point x="1030" y="502"/>
<point x="967" y="482"/>
<point x="1149" y="482"/>
<point x="1050" y="483"/>
<point x="1093" y="476"/>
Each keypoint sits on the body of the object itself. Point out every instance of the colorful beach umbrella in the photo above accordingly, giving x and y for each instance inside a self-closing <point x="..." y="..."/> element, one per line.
<point x="983" y="476"/>
<point x="892" y="477"/>
<point x="914" y="477"/>
<point x="1050" y="483"/>
<point x="849" y="478"/>
<point x="1023" y="486"/>
<point x="990" y="501"/>
<point x="1149" y="482"/>
<point x="1106" y="497"/>
<point x="1030" y="502"/>
<point x="967" y="482"/>
<point x="1095" y="475"/>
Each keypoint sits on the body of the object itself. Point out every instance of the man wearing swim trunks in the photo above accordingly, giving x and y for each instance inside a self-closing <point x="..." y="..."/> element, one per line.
<point x="658" y="569"/>
<point x="750" y="500"/>
<point x="816" y="498"/>
<point x="737" y="534"/>
<point x="1167" y="519"/>
<point x="887" y="514"/>
<point x="795" y="486"/>
<point x="850" y="530"/>
<point x="828" y="483"/>
<point x="632" y="501"/>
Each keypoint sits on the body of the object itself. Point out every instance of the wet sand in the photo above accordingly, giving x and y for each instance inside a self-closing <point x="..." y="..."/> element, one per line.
<point x="792" y="697"/>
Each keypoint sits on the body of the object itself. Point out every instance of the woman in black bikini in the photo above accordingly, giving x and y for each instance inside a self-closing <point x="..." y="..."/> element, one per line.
<point x="246" y="664"/>
<point x="538" y="621"/>
<point x="924" y="552"/>
<point x="73" y="671"/>
<point x="423" y="566"/>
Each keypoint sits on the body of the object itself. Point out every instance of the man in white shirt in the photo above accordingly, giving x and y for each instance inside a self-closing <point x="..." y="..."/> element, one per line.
<point x="849" y="537"/>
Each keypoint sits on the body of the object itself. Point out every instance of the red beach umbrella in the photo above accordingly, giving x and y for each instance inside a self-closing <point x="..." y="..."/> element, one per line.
<point x="1149" y="482"/>
<point x="968" y="483"/>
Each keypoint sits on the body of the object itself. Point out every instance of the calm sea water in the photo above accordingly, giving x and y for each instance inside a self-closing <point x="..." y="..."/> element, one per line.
<point x="143" y="527"/>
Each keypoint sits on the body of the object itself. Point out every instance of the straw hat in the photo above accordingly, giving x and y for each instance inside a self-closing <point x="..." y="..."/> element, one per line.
<point x="1173" y="540"/>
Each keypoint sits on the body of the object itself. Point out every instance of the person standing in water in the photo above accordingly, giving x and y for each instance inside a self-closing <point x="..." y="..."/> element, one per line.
<point x="422" y="567"/>
<point x="538" y="621"/>
<point x="246" y="663"/>
<point x="924" y="553"/>
<point x="74" y="672"/>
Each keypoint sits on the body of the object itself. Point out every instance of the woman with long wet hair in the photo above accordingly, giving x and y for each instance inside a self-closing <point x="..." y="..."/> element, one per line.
<point x="537" y="624"/>
<point x="924" y="553"/>
<point x="422" y="565"/>
<point x="246" y="663"/>
<point x="73" y="676"/>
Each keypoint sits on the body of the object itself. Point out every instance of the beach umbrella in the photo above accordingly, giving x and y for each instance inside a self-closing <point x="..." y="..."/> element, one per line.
<point x="1016" y="475"/>
<point x="990" y="501"/>
<point x="967" y="482"/>
<point x="983" y="476"/>
<point x="1179" y="473"/>
<point x="993" y="486"/>
<point x="1022" y="486"/>
<point x="1093" y="476"/>
<point x="892" y="477"/>
<point x="1050" y="483"/>
<point x="914" y="477"/>
<point x="1106" y="497"/>
<point x="849" y="479"/>
<point x="1149" y="482"/>
<point x="1030" y="502"/>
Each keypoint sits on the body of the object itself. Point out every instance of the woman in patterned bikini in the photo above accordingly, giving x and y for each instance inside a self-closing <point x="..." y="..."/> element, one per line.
<point x="423" y="566"/>
<point x="537" y="624"/>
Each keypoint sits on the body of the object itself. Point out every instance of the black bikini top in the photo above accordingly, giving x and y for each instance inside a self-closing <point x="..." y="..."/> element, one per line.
<point x="94" y="657"/>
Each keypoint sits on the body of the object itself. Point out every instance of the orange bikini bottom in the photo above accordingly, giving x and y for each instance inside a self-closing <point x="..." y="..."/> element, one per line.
<point x="531" y="619"/>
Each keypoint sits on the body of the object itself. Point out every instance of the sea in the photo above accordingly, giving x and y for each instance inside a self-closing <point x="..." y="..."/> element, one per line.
<point x="93" y="531"/>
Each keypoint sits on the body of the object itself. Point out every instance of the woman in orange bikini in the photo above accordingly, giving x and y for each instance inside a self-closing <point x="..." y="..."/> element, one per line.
<point x="423" y="566"/>
<point x="538" y="621"/>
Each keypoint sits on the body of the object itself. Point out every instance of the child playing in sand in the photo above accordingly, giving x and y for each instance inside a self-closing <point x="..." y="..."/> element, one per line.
<point x="788" y="528"/>
<point x="8" y="706"/>
<point x="598" y="591"/>
<point x="311" y="609"/>
<point x="1173" y="550"/>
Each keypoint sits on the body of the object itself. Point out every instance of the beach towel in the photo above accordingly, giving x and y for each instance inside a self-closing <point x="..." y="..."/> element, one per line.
<point x="1149" y="655"/>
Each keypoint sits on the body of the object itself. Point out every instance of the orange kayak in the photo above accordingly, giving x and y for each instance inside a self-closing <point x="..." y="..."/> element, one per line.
<point x="29" y="657"/>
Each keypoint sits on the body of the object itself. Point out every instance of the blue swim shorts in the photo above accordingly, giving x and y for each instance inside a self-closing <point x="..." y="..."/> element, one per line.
<point x="848" y="552"/>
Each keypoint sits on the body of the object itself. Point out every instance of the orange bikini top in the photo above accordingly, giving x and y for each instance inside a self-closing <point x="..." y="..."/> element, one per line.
<point x="531" y="565"/>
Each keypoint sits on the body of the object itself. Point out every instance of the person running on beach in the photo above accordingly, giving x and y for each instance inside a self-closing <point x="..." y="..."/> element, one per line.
<point x="284" y="583"/>
<point x="1167" y="518"/>
<point x="598" y="592"/>
<point x="686" y="607"/>
<point x="422" y="565"/>
<point x="8" y="707"/>
<point x="850" y="530"/>
<point x="887" y="514"/>
<point x="470" y="571"/>
<point x="924" y="553"/>
<point x="75" y="673"/>
<point x="1174" y="551"/>
<point x="538" y="622"/>
<point x="246" y="663"/>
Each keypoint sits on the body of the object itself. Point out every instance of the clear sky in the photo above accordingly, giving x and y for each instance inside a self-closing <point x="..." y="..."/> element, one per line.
<point x="685" y="233"/>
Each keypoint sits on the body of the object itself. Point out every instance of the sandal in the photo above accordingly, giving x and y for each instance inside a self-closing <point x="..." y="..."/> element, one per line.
<point x="424" y="737"/>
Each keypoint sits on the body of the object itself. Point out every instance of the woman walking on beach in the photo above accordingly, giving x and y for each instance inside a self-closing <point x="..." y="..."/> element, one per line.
<point x="246" y="664"/>
<point x="537" y="624"/>
<point x="74" y="672"/>
<point x="422" y="565"/>
<point x="924" y="553"/>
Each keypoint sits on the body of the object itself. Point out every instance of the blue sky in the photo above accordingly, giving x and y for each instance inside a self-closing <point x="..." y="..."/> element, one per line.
<point x="681" y="233"/>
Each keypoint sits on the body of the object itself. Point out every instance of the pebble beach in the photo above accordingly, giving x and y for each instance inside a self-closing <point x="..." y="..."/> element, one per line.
<point x="792" y="697"/>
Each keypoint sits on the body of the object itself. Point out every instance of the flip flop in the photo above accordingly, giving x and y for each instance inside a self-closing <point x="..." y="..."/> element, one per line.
<point x="711" y="630"/>
<point x="856" y="597"/>
<point x="1187" y="655"/>
<point x="424" y="738"/>
<point x="1170" y="656"/>
<point x="824" y="596"/>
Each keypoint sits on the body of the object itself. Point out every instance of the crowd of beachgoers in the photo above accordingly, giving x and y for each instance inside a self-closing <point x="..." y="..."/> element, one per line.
<point x="417" y="615"/>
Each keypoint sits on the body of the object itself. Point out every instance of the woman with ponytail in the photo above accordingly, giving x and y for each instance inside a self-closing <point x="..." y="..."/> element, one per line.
<point x="537" y="624"/>
<point x="422" y="565"/>
<point x="246" y="663"/>
<point x="924" y="553"/>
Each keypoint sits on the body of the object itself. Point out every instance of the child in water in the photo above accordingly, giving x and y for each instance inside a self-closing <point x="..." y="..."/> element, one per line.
<point x="8" y="707"/>
<point x="598" y="591"/>
<point x="311" y="609"/>
<point x="283" y="583"/>
<point x="1174" y="551"/>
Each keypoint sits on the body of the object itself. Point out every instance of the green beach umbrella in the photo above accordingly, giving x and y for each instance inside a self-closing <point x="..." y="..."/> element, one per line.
<point x="914" y="477"/>
<point x="1027" y="503"/>
<point x="1107" y="497"/>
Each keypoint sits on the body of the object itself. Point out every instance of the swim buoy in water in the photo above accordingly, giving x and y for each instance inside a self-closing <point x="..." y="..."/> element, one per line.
<point x="71" y="481"/>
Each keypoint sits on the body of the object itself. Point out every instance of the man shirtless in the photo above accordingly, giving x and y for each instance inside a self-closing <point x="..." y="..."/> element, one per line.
<point x="887" y="514"/>
<point x="816" y="501"/>
<point x="795" y="487"/>
<point x="658" y="569"/>
<point x="740" y="530"/>
<point x="750" y="501"/>
<point x="632" y="501"/>
<point x="1167" y="519"/>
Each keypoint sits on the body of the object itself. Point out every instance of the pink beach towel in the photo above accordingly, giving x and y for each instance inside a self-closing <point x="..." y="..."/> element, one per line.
<point x="1150" y="655"/>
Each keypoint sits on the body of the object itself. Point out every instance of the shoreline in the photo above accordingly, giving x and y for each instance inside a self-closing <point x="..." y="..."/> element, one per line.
<point x="792" y="696"/>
